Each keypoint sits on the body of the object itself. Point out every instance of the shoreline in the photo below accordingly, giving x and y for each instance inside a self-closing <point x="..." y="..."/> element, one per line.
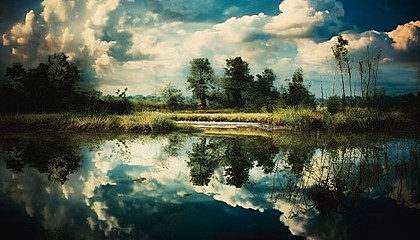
<point x="354" y="120"/>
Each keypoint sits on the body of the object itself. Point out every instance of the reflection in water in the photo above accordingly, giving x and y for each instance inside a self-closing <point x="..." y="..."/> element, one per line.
<point x="56" y="157"/>
<point x="237" y="155"/>
<point x="130" y="187"/>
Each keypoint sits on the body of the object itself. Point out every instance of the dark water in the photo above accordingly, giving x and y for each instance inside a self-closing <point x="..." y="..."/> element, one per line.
<point x="279" y="186"/>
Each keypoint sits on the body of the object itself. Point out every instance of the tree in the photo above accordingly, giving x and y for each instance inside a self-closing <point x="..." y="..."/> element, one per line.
<point x="368" y="70"/>
<point x="51" y="86"/>
<point x="263" y="90"/>
<point x="237" y="81"/>
<point x="172" y="96"/>
<point x="16" y="73"/>
<point x="340" y="53"/>
<point x="202" y="162"/>
<point x="297" y="94"/>
<point x="201" y="75"/>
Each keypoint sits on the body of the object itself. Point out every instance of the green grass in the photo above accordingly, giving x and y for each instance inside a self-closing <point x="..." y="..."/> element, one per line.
<point x="221" y="117"/>
<point x="352" y="119"/>
<point x="144" y="122"/>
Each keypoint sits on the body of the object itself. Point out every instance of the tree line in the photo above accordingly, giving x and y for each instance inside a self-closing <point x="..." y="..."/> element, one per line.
<point x="54" y="86"/>
<point x="239" y="89"/>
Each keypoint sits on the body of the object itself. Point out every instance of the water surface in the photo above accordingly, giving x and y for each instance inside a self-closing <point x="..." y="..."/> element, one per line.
<point x="277" y="186"/>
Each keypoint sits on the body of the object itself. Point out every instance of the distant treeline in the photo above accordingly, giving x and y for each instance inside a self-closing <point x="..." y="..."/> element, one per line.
<point x="55" y="86"/>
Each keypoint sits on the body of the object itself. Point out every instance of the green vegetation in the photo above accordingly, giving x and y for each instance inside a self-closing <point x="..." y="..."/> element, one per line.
<point x="142" y="122"/>
<point x="50" y="96"/>
<point x="297" y="94"/>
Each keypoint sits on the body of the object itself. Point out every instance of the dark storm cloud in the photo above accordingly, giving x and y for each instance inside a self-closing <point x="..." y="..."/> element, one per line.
<point x="380" y="15"/>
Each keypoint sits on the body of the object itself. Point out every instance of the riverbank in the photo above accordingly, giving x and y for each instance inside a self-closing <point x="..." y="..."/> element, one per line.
<point x="141" y="122"/>
<point x="352" y="119"/>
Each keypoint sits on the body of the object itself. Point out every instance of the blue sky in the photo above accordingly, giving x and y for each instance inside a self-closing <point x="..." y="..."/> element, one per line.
<point x="147" y="44"/>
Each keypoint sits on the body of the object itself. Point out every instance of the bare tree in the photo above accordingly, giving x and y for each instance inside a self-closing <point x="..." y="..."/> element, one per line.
<point x="376" y="61"/>
<point x="340" y="52"/>
<point x="368" y="70"/>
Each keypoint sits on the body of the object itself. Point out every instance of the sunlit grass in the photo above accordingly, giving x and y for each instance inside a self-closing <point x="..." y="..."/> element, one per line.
<point x="222" y="117"/>
<point x="352" y="119"/>
<point x="145" y="122"/>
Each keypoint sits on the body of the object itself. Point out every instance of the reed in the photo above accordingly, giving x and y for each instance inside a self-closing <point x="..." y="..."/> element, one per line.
<point x="222" y="117"/>
<point x="145" y="122"/>
<point x="351" y="119"/>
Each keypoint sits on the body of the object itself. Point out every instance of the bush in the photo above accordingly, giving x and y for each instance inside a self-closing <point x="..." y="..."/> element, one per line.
<point x="334" y="105"/>
<point x="118" y="106"/>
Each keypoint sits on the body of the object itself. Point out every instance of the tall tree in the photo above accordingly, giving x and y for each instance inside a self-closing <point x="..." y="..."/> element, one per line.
<point x="368" y="70"/>
<point x="340" y="53"/>
<point x="201" y="75"/>
<point x="237" y="81"/>
<point x="202" y="162"/>
<point x="263" y="91"/>
<point x="297" y="94"/>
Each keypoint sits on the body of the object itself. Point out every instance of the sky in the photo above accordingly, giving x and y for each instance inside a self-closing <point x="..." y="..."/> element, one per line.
<point x="145" y="45"/>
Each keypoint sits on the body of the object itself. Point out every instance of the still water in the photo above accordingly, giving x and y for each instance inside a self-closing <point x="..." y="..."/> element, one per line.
<point x="277" y="186"/>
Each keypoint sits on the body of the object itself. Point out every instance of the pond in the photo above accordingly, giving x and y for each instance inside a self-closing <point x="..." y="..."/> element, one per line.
<point x="280" y="185"/>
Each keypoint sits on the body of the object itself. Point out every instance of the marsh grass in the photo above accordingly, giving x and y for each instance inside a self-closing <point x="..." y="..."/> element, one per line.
<point x="369" y="119"/>
<point x="222" y="117"/>
<point x="145" y="122"/>
<point x="351" y="119"/>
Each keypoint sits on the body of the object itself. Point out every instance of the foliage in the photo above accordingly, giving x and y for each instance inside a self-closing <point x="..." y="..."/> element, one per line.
<point x="51" y="86"/>
<point x="172" y="97"/>
<point x="201" y="76"/>
<point x="237" y="82"/>
<point x="297" y="94"/>
<point x="264" y="94"/>
<point x="334" y="105"/>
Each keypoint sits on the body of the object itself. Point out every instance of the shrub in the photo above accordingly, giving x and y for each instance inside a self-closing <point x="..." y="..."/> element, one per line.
<point x="334" y="105"/>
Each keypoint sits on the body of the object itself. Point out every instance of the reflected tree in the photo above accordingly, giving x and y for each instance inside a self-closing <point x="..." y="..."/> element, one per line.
<point x="238" y="155"/>
<point x="237" y="162"/>
<point x="175" y="143"/>
<point x="298" y="157"/>
<point x="263" y="151"/>
<point x="55" y="157"/>
<point x="202" y="162"/>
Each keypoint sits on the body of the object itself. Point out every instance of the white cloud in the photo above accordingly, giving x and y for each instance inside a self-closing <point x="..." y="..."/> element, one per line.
<point x="299" y="17"/>
<point x="21" y="35"/>
<point x="57" y="9"/>
<point x="142" y="50"/>
<point x="101" y="10"/>
<point x="237" y="30"/>
<point x="406" y="35"/>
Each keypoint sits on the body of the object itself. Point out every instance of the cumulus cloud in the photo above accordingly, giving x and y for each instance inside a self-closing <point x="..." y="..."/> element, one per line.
<point x="406" y="42"/>
<point x="238" y="30"/>
<point x="144" y="45"/>
<point x="406" y="35"/>
<point x="300" y="18"/>
<point x="56" y="9"/>
<point x="23" y="37"/>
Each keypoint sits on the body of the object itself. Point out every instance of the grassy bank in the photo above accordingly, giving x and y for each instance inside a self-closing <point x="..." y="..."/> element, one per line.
<point x="352" y="119"/>
<point x="143" y="122"/>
